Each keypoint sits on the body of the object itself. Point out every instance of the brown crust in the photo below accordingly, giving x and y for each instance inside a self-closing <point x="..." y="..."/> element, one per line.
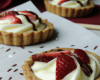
<point x="27" y="38"/>
<point x="29" y="75"/>
<point x="68" y="12"/>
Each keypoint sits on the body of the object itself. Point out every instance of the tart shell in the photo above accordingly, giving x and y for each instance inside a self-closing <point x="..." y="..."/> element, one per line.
<point x="27" y="38"/>
<point x="28" y="73"/>
<point x="69" y="12"/>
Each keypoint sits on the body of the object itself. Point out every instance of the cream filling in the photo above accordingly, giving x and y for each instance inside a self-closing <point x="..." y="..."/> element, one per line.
<point x="70" y="4"/>
<point x="24" y="27"/>
<point x="47" y="71"/>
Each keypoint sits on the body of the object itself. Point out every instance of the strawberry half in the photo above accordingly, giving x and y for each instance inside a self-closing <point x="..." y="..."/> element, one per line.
<point x="31" y="16"/>
<point x="48" y="56"/>
<point x="13" y="19"/>
<point x="64" y="65"/>
<point x="82" y="55"/>
<point x="62" y="1"/>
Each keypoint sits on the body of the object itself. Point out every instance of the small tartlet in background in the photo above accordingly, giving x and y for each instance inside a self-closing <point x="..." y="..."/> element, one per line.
<point x="70" y="12"/>
<point x="26" y="38"/>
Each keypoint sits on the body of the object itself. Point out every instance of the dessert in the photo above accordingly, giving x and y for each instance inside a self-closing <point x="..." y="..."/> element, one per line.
<point x="69" y="8"/>
<point x="23" y="28"/>
<point x="63" y="64"/>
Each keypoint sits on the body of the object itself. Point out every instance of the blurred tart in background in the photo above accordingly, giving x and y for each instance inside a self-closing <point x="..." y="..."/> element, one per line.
<point x="69" y="8"/>
<point x="23" y="28"/>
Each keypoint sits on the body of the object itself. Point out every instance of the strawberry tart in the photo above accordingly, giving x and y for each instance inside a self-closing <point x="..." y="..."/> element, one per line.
<point x="23" y="28"/>
<point x="69" y="8"/>
<point x="63" y="64"/>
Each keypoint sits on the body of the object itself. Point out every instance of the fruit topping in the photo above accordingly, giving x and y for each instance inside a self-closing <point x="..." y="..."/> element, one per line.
<point x="48" y="56"/>
<point x="83" y="60"/>
<point x="10" y="12"/>
<point x="29" y="14"/>
<point x="64" y="65"/>
<point x="67" y="52"/>
<point x="85" y="67"/>
<point x="13" y="19"/>
<point x="82" y="55"/>
<point x="42" y="58"/>
<point x="62" y="1"/>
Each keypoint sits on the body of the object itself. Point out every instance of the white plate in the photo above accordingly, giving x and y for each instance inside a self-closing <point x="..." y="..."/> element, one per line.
<point x="65" y="34"/>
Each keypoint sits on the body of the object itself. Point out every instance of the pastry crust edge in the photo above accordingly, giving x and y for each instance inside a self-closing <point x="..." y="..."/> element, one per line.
<point x="28" y="73"/>
<point x="27" y="38"/>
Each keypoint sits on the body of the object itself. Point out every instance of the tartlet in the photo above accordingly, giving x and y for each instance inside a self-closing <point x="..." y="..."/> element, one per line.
<point x="25" y="38"/>
<point x="29" y="74"/>
<point x="68" y="11"/>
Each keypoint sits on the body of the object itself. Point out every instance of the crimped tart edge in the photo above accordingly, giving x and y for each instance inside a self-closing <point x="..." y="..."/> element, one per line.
<point x="27" y="38"/>
<point x="68" y="12"/>
<point x="29" y="75"/>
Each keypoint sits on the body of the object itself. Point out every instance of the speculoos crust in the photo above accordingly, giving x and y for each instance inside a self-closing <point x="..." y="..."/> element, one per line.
<point x="27" y="38"/>
<point x="69" y="12"/>
<point x="28" y="73"/>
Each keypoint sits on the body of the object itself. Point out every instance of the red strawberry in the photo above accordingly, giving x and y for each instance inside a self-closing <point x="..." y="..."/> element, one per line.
<point x="82" y="55"/>
<point x="48" y="56"/>
<point x="30" y="15"/>
<point x="56" y="53"/>
<point x="64" y="65"/>
<point x="42" y="58"/>
<point x="9" y="12"/>
<point x="5" y="13"/>
<point x="62" y="1"/>
<point x="13" y="19"/>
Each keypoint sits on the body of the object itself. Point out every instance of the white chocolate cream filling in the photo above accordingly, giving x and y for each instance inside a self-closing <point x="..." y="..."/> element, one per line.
<point x="24" y="27"/>
<point x="47" y="71"/>
<point x="69" y="4"/>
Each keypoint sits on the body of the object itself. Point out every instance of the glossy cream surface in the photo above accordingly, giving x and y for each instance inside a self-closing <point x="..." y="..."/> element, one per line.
<point x="69" y="4"/>
<point x="47" y="71"/>
<point x="26" y="26"/>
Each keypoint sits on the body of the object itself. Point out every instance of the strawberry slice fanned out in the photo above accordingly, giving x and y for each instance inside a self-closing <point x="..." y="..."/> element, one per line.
<point x="31" y="16"/>
<point x="64" y="65"/>
<point x="82" y="55"/>
<point x="13" y="19"/>
<point x="48" y="56"/>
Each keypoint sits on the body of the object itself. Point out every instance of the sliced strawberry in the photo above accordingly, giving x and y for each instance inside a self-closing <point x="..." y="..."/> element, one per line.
<point x="82" y="55"/>
<point x="42" y="58"/>
<point x="5" y="13"/>
<point x="62" y="1"/>
<point x="56" y="53"/>
<point x="13" y="19"/>
<point x="9" y="12"/>
<point x="48" y="56"/>
<point x="29" y="14"/>
<point x="64" y="65"/>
